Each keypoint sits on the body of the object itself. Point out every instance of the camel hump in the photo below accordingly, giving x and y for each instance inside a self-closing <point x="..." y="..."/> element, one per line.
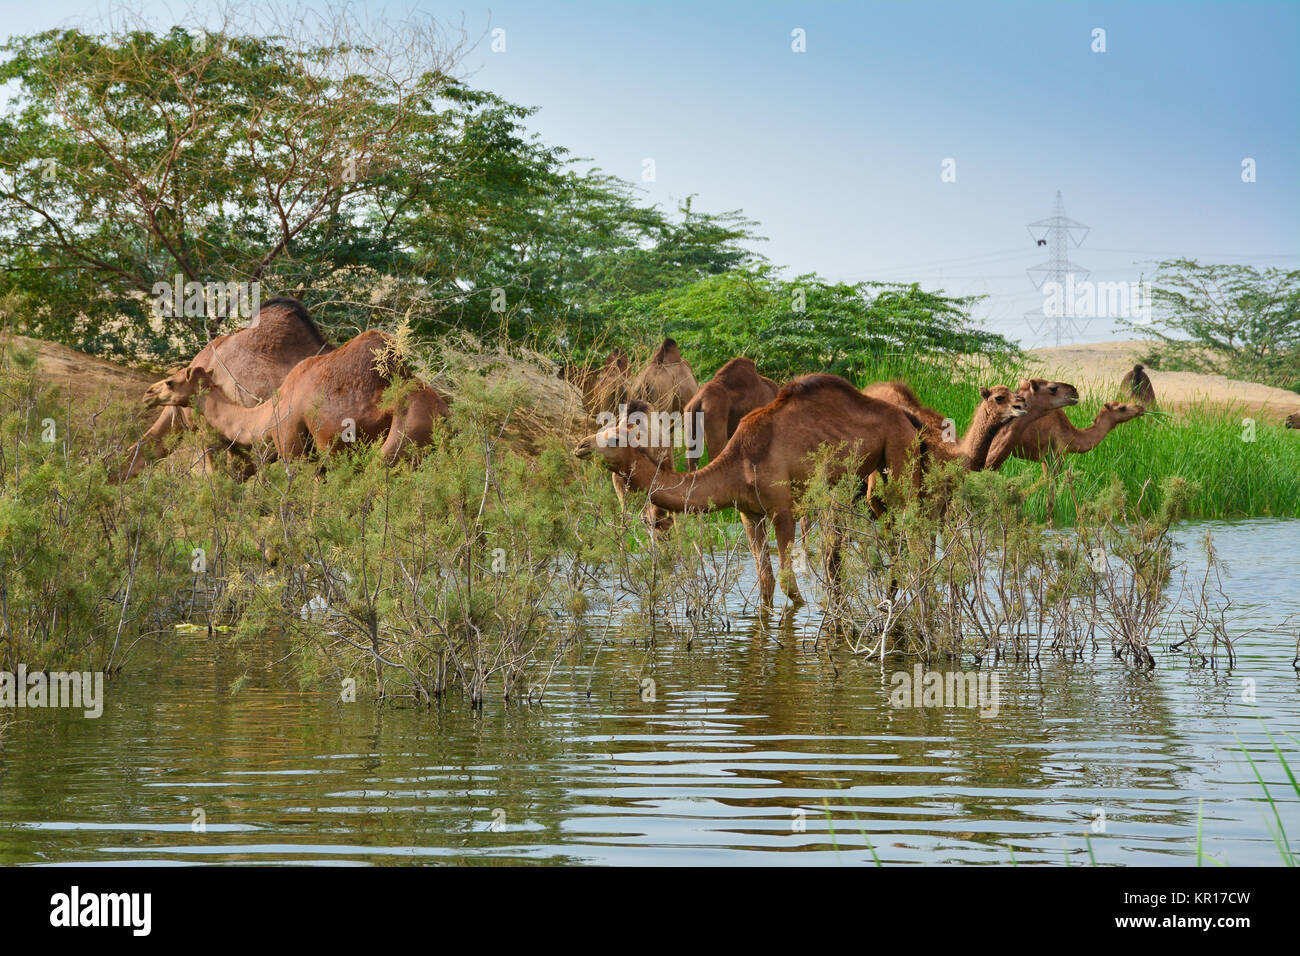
<point x="905" y="391"/>
<point x="667" y="354"/>
<point x="810" y="385"/>
<point x="293" y="309"/>
<point x="739" y="370"/>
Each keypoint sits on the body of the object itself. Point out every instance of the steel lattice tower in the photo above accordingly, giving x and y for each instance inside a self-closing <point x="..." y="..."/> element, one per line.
<point x="1057" y="232"/>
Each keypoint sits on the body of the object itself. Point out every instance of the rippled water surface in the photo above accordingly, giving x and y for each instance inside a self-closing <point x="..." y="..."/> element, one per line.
<point x="760" y="748"/>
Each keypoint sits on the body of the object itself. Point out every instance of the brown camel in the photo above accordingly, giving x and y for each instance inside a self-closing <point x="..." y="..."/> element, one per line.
<point x="605" y="388"/>
<point x="667" y="382"/>
<point x="717" y="408"/>
<point x="998" y="406"/>
<point x="768" y="460"/>
<point x="637" y="416"/>
<point x="1293" y="420"/>
<point x="318" y="399"/>
<point x="1053" y="436"/>
<point x="246" y="366"/>
<point x="1043" y="398"/>
<point x="1136" y="386"/>
<point x="1055" y="433"/>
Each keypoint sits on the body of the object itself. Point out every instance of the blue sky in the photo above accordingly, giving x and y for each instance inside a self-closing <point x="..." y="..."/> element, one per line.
<point x="837" y="151"/>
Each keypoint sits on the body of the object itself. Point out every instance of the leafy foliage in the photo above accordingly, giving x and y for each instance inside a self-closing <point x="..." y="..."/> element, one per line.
<point x="1232" y="320"/>
<point x="805" y="324"/>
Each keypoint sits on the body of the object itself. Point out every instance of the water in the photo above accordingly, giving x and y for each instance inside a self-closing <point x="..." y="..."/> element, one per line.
<point x="760" y="748"/>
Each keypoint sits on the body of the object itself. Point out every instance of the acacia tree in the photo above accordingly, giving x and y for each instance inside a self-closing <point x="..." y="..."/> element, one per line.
<point x="205" y="155"/>
<point x="348" y="168"/>
<point x="1232" y="320"/>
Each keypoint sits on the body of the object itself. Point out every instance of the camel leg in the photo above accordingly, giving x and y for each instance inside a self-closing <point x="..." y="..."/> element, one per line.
<point x="412" y="425"/>
<point x="151" y="445"/>
<point x="831" y="562"/>
<point x="785" y="528"/>
<point x="756" y="530"/>
<point x="620" y="490"/>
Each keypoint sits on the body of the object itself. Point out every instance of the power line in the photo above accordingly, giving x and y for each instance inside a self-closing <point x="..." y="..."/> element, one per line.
<point x="1056" y="232"/>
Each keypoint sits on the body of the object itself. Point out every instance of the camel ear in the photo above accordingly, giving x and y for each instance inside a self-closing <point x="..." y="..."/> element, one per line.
<point x="1027" y="385"/>
<point x="191" y="373"/>
<point x="984" y="392"/>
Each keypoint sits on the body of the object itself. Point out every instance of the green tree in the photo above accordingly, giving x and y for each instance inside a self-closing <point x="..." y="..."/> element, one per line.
<point x="366" y="180"/>
<point x="1232" y="320"/>
<point x="806" y="324"/>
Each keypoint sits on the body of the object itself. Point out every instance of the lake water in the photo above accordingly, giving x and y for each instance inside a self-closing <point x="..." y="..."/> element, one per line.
<point x="759" y="748"/>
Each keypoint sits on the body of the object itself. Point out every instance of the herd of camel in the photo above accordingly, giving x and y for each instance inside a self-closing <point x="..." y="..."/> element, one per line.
<point x="279" y="382"/>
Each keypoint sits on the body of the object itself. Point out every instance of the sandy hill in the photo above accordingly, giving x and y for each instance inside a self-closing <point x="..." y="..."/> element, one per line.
<point x="1100" y="366"/>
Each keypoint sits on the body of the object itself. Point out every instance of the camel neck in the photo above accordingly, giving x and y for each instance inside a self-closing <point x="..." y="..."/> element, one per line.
<point x="696" y="491"/>
<point x="974" y="447"/>
<point x="1086" y="439"/>
<point x="243" y="426"/>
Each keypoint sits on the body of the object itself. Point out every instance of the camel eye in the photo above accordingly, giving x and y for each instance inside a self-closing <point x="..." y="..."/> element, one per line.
<point x="1053" y="389"/>
<point x="1001" y="400"/>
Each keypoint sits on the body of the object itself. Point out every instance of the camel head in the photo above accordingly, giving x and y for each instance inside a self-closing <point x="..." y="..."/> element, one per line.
<point x="1043" y="396"/>
<point x="1004" y="403"/>
<point x="1120" y="412"/>
<point x="619" y="446"/>
<point x="177" y="388"/>
<point x="1293" y="420"/>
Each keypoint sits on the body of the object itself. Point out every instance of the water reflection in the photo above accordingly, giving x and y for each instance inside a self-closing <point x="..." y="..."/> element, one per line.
<point x="759" y="747"/>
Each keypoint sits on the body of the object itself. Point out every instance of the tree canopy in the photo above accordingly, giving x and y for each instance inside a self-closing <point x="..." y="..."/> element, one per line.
<point x="1232" y="320"/>
<point x="379" y="188"/>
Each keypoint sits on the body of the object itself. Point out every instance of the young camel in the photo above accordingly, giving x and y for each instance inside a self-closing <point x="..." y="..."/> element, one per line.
<point x="999" y="407"/>
<point x="316" y="400"/>
<point x="736" y="390"/>
<point x="768" y="461"/>
<point x="1135" y="385"/>
<point x="246" y="366"/>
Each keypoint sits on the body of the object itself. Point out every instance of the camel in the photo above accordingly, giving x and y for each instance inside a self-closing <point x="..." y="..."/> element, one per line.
<point x="605" y="388"/>
<point x="717" y="408"/>
<point x="1042" y="397"/>
<point x="998" y="406"/>
<point x="1053" y="436"/>
<point x="316" y="401"/>
<point x="667" y="382"/>
<point x="1293" y="420"/>
<point x="245" y="366"/>
<point x="636" y="416"/>
<point x="1136" y="385"/>
<point x="768" y="460"/>
<point x="1055" y="433"/>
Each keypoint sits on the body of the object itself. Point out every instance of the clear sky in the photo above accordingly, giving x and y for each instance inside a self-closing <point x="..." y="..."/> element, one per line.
<point x="838" y="151"/>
